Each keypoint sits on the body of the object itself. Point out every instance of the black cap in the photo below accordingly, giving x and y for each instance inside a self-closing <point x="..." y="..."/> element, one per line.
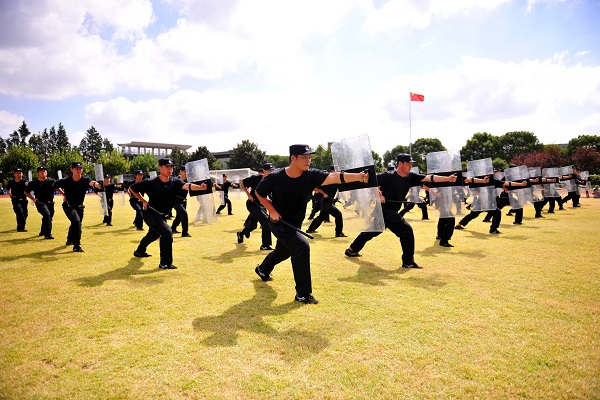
<point x="300" y="149"/>
<point x="391" y="168"/>
<point x="404" y="157"/>
<point x="18" y="170"/>
<point x="76" y="164"/>
<point x="267" y="166"/>
<point x="224" y="175"/>
<point x="106" y="175"/>
<point x="41" y="167"/>
<point x="138" y="172"/>
<point x="260" y="170"/>
<point x="165" y="161"/>
<point x="332" y="168"/>
<point x="182" y="168"/>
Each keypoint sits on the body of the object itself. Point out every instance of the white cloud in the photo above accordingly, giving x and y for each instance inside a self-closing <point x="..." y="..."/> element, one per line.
<point x="9" y="122"/>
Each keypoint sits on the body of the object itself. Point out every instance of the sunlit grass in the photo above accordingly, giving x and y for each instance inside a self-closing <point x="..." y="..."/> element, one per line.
<point x="509" y="316"/>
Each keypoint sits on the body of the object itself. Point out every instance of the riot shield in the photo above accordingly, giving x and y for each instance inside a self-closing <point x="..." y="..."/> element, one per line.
<point x="551" y="188"/>
<point x="585" y="176"/>
<point x="152" y="174"/>
<point x="484" y="194"/>
<point x="537" y="189"/>
<point x="517" y="196"/>
<point x="197" y="172"/>
<point x="99" y="171"/>
<point x="415" y="193"/>
<point x="570" y="184"/>
<point x="59" y="174"/>
<point x="443" y="194"/>
<point x="355" y="154"/>
<point x="120" y="182"/>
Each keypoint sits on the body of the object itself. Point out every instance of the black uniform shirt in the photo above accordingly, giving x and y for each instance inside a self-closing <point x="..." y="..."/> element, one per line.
<point x="225" y="187"/>
<point x="290" y="195"/>
<point x="330" y="191"/>
<point x="17" y="189"/>
<point x="127" y="185"/>
<point x="109" y="190"/>
<point x="43" y="190"/>
<point x="395" y="187"/>
<point x="162" y="195"/>
<point x="182" y="193"/>
<point x="74" y="190"/>
<point x="252" y="182"/>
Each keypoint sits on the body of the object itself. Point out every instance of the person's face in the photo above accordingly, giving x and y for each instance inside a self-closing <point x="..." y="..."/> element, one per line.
<point x="107" y="181"/>
<point x="183" y="174"/>
<point x="77" y="171"/>
<point x="166" y="170"/>
<point x="404" y="167"/>
<point x="266" y="172"/>
<point x="18" y="175"/>
<point x="302" y="161"/>
<point x="42" y="174"/>
<point x="138" y="177"/>
<point x="224" y="179"/>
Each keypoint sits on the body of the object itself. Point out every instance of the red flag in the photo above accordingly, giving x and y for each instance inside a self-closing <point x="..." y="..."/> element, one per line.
<point x="416" y="97"/>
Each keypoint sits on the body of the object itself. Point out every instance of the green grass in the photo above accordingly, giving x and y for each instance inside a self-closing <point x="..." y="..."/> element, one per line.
<point x="509" y="316"/>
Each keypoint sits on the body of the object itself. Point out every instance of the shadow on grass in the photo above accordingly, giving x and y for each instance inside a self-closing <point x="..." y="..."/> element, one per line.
<point x="248" y="316"/>
<point x="370" y="274"/>
<point x="126" y="273"/>
<point x="468" y="251"/>
<point x="45" y="255"/>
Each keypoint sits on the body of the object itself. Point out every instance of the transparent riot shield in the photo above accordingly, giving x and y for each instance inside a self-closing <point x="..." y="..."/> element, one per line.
<point x="99" y="171"/>
<point x="152" y="174"/>
<point x="499" y="175"/>
<point x="443" y="195"/>
<point x="517" y="196"/>
<point x="551" y="188"/>
<point x="120" y="182"/>
<point x="537" y="189"/>
<point x="585" y="176"/>
<point x="484" y="195"/>
<point x="30" y="178"/>
<point x="197" y="172"/>
<point x="415" y="193"/>
<point x="363" y="210"/>
<point x="570" y="185"/>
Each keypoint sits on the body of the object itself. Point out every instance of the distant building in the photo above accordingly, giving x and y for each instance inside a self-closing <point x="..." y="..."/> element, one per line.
<point x="132" y="149"/>
<point x="224" y="157"/>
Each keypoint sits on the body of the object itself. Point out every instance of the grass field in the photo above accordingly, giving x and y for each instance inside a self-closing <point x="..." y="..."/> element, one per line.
<point x="503" y="317"/>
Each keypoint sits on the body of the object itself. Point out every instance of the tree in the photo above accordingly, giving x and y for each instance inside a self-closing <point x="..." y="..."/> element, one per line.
<point x="113" y="163"/>
<point x="520" y="142"/>
<point x="500" y="163"/>
<point x="481" y="145"/>
<point x="19" y="157"/>
<point x="91" y="145"/>
<point x="247" y="155"/>
<point x="549" y="157"/>
<point x="3" y="146"/>
<point x="19" y="137"/>
<point x="389" y="157"/>
<point x="322" y="159"/>
<point x="587" y="158"/>
<point x="422" y="147"/>
<point x="179" y="157"/>
<point x="377" y="161"/>
<point x="201" y="153"/>
<point x="61" y="161"/>
<point x="589" y="141"/>
<point x="61" y="140"/>
<point x="146" y="162"/>
<point x="279" y="161"/>
<point x="107" y="146"/>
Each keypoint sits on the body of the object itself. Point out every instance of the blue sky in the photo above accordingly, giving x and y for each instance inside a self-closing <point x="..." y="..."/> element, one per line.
<point x="213" y="73"/>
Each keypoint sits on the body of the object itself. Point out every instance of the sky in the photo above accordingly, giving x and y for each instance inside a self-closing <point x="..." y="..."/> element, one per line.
<point x="279" y="72"/>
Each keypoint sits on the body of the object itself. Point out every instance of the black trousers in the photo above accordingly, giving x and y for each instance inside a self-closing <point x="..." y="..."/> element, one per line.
<point x="445" y="228"/>
<point x="158" y="229"/>
<point x="400" y="227"/>
<point x="227" y="203"/>
<point x="327" y="209"/>
<point x="410" y="206"/>
<point x="573" y="196"/>
<point x="108" y="218"/>
<point x="75" y="215"/>
<point x="290" y="244"/>
<point x="257" y="215"/>
<point x="469" y="217"/>
<point x="46" y="210"/>
<point x="137" y="206"/>
<point x="20" y="209"/>
<point x="181" y="217"/>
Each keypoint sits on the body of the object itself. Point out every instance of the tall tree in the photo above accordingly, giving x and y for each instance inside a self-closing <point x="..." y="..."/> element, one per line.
<point x="549" y="157"/>
<point x="279" y="161"/>
<point x="422" y="147"/>
<point x="179" y="158"/>
<point x="21" y="157"/>
<point x="377" y="161"/>
<point x="19" y="137"/>
<point x="590" y="141"/>
<point x="3" y="146"/>
<point x="107" y="146"/>
<point x="36" y="144"/>
<point x="322" y="159"/>
<point x="518" y="142"/>
<point x="146" y="162"/>
<point x="389" y="157"/>
<point x="91" y="145"/>
<point x="61" y="161"/>
<point x="113" y="163"/>
<point x="62" y="140"/>
<point x="247" y="155"/>
<point x="481" y="145"/>
<point x="587" y="158"/>
<point x="201" y="153"/>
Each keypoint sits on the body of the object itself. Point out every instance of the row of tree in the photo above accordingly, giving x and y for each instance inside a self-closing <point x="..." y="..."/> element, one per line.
<point x="53" y="149"/>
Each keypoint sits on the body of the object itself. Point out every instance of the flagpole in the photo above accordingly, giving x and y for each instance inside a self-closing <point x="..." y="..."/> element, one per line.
<point x="409" y="124"/>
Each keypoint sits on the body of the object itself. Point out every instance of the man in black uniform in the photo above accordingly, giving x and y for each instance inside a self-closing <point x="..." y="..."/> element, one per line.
<point x="225" y="188"/>
<point x="257" y="211"/>
<point x="108" y="189"/>
<point x="162" y="192"/>
<point x="180" y="207"/>
<point x="290" y="188"/>
<point x="394" y="186"/>
<point x="75" y="187"/>
<point x="328" y="208"/>
<point x="43" y="198"/>
<point x="134" y="202"/>
<point x="16" y="189"/>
